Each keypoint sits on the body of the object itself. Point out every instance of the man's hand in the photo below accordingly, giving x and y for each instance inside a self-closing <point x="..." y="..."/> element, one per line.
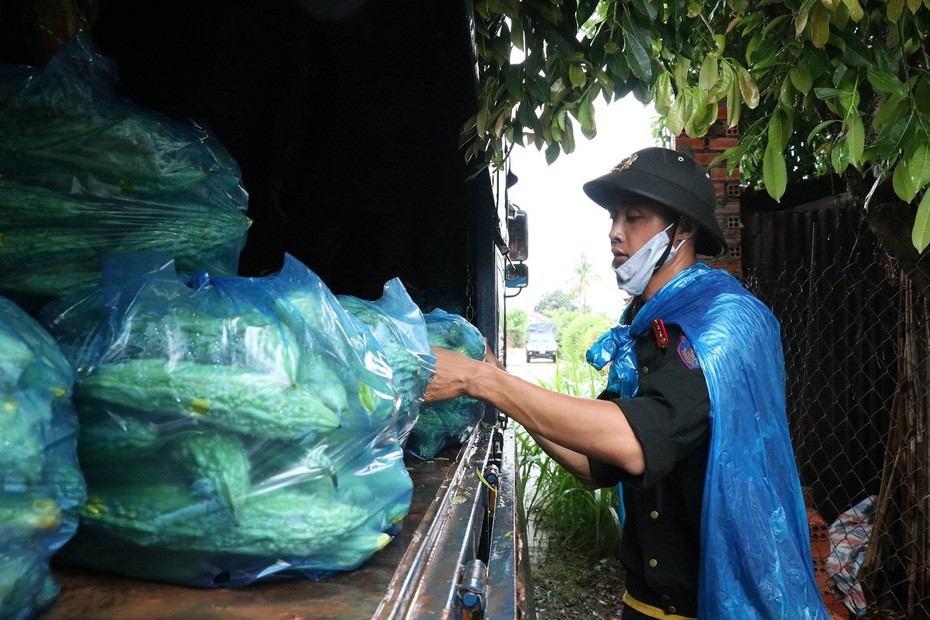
<point x="447" y="382"/>
<point x="490" y="357"/>
<point x="453" y="370"/>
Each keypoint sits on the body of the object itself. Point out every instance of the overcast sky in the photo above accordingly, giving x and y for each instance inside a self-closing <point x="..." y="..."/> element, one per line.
<point x="563" y="222"/>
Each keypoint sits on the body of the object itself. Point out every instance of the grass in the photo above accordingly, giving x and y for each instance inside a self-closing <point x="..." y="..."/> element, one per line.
<point x="563" y="511"/>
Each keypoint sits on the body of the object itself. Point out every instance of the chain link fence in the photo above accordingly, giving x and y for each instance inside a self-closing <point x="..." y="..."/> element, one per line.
<point x="856" y="334"/>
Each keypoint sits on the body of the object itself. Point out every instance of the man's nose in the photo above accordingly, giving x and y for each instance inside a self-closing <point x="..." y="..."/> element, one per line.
<point x="616" y="234"/>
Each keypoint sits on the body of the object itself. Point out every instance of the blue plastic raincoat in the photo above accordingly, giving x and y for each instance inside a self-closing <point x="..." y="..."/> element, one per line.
<point x="755" y="542"/>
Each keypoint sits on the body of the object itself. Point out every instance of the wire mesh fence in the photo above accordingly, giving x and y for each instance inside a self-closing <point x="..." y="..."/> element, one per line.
<point x="856" y="334"/>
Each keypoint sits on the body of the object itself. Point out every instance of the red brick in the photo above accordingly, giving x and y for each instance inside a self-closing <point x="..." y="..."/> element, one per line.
<point x="722" y="144"/>
<point x="695" y="144"/>
<point x="705" y="158"/>
<point x="720" y="173"/>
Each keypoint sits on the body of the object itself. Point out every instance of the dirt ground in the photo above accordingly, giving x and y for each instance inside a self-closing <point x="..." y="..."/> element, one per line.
<point x="569" y="584"/>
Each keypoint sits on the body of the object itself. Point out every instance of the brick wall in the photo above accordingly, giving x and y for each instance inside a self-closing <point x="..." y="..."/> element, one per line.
<point x="718" y="139"/>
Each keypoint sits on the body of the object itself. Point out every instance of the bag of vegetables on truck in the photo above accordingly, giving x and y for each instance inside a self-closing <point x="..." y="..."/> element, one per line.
<point x="399" y="327"/>
<point x="232" y="429"/>
<point x="41" y="485"/>
<point x="448" y="423"/>
<point x="84" y="172"/>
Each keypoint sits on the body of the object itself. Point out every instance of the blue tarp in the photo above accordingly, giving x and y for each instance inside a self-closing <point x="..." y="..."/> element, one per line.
<point x="755" y="542"/>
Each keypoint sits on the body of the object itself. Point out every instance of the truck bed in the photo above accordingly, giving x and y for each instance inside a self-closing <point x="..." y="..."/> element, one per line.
<point x="456" y="522"/>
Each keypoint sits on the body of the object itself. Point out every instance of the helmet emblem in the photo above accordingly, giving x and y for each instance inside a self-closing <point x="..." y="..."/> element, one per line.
<point x="626" y="163"/>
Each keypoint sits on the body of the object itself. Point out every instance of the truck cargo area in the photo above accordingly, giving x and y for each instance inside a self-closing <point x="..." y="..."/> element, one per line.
<point x="344" y="118"/>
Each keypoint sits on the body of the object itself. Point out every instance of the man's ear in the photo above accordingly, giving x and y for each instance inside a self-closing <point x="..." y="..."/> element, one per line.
<point x="686" y="229"/>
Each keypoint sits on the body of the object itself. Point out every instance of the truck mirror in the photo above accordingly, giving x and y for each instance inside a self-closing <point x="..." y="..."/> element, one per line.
<point x="517" y="275"/>
<point x="518" y="235"/>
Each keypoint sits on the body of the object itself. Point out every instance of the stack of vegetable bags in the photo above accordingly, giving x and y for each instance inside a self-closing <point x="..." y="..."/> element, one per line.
<point x="83" y="173"/>
<point x="399" y="327"/>
<point x="448" y="423"/>
<point x="232" y="429"/>
<point x="41" y="486"/>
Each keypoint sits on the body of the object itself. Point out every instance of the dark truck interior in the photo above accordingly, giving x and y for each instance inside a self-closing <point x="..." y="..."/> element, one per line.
<point x="343" y="115"/>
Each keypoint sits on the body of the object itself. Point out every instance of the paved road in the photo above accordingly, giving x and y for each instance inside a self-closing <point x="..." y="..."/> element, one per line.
<point x="535" y="371"/>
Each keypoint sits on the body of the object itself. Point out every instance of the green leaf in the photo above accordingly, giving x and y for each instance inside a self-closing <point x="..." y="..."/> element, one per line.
<point x="893" y="10"/>
<point x="922" y="97"/>
<point x="820" y="26"/>
<point x="855" y="138"/>
<point x="801" y="77"/>
<point x="820" y="127"/>
<point x="647" y="7"/>
<point x="482" y="121"/>
<point x="886" y="83"/>
<point x="637" y="48"/>
<point x="539" y="88"/>
<point x="779" y="129"/>
<point x="839" y="156"/>
<point x="748" y="87"/>
<point x="898" y="137"/>
<point x="576" y="76"/>
<point x="855" y="9"/>
<point x="725" y="83"/>
<point x="920" y="234"/>
<point x="586" y="118"/>
<point x="663" y="93"/>
<point x="731" y="156"/>
<point x="827" y="93"/>
<point x="752" y="46"/>
<point x="774" y="172"/>
<point x="855" y="52"/>
<point x="901" y="182"/>
<point x="682" y="65"/>
<point x="619" y="68"/>
<point x="675" y="121"/>
<point x="552" y="153"/>
<point x="513" y="81"/>
<point x="800" y="20"/>
<point x="734" y="105"/>
<point x="919" y="166"/>
<point x="568" y="137"/>
<point x="700" y="115"/>
<point x="709" y="73"/>
<point x="888" y="112"/>
<point x="516" y="32"/>
<point x="885" y="59"/>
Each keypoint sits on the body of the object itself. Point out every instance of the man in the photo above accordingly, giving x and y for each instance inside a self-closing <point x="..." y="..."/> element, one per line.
<point x="693" y="421"/>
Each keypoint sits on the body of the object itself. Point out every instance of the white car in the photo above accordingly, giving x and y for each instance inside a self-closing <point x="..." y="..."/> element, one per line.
<point x="541" y="345"/>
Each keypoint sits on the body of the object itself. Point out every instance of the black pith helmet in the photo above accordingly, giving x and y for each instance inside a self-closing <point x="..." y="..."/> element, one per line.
<point x="671" y="178"/>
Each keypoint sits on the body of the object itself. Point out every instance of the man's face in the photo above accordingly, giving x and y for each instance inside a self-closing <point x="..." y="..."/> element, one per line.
<point x="634" y="223"/>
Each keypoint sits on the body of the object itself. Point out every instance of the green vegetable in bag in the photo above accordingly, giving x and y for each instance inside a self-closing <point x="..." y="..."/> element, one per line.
<point x="254" y="403"/>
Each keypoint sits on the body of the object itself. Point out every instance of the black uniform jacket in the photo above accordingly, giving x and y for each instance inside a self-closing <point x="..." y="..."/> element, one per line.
<point x="660" y="545"/>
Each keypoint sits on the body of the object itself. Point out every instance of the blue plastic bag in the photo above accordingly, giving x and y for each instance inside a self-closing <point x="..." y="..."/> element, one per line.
<point x="448" y="423"/>
<point x="399" y="326"/>
<point x="233" y="429"/>
<point x="41" y="485"/>
<point x="83" y="173"/>
<point x="755" y="543"/>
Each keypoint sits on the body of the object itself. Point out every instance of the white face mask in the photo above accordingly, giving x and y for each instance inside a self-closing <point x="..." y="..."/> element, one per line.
<point x="635" y="273"/>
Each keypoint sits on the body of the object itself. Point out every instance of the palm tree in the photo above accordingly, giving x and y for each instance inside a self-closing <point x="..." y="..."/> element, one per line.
<point x="583" y="279"/>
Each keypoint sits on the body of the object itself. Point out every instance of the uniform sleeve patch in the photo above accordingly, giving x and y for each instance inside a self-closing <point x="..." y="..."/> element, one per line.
<point x="687" y="354"/>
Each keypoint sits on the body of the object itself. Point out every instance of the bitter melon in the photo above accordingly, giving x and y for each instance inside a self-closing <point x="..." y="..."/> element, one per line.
<point x="219" y="464"/>
<point x="251" y="403"/>
<point x="283" y="521"/>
